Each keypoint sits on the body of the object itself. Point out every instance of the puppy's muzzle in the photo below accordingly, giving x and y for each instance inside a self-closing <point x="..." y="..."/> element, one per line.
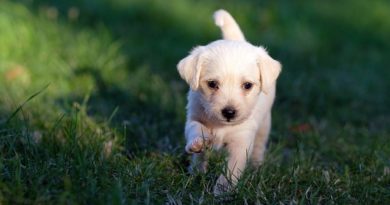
<point x="229" y="113"/>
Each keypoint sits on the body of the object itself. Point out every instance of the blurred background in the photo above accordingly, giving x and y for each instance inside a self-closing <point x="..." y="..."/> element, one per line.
<point x="105" y="71"/>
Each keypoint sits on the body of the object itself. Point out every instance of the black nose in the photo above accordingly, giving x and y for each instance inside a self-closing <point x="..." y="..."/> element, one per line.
<point x="229" y="113"/>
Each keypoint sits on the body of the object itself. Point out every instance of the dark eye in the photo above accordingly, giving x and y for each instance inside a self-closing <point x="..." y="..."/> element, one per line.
<point x="212" y="84"/>
<point x="247" y="85"/>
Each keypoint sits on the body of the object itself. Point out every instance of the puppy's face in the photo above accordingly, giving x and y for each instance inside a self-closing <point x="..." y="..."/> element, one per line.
<point x="229" y="84"/>
<point x="229" y="76"/>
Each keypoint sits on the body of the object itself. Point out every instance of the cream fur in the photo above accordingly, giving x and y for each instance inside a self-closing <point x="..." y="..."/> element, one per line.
<point x="229" y="27"/>
<point x="230" y="62"/>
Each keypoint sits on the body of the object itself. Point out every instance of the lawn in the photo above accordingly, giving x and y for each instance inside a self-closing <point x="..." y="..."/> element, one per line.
<point x="92" y="108"/>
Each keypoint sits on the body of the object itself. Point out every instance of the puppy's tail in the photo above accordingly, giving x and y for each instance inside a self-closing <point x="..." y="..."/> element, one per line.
<point x="229" y="27"/>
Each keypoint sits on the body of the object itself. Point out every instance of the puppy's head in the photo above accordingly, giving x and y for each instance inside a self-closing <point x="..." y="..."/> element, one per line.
<point x="229" y="75"/>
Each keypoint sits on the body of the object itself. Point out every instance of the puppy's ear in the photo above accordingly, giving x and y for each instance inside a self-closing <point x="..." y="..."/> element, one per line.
<point x="269" y="70"/>
<point x="190" y="67"/>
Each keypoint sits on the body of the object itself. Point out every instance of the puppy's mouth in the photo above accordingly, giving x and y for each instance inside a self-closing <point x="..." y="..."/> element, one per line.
<point x="230" y="121"/>
<point x="234" y="121"/>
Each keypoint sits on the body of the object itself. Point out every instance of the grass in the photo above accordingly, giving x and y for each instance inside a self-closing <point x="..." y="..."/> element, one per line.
<point x="92" y="109"/>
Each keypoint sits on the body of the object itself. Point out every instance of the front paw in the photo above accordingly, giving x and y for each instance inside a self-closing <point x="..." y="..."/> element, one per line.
<point x="222" y="186"/>
<point x="198" y="144"/>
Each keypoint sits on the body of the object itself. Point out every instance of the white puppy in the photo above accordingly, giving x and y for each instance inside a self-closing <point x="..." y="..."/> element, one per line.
<point x="232" y="89"/>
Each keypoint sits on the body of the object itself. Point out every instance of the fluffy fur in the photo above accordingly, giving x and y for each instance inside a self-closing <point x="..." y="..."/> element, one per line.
<point x="222" y="112"/>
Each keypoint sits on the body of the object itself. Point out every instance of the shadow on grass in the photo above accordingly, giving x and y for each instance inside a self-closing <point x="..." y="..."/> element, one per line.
<point x="146" y="123"/>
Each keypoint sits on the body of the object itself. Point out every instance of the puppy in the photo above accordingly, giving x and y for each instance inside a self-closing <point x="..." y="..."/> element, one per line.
<point x="232" y="89"/>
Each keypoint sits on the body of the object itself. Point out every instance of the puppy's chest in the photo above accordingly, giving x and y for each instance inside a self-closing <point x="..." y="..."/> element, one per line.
<point x="217" y="138"/>
<point x="234" y="134"/>
<point x="222" y="136"/>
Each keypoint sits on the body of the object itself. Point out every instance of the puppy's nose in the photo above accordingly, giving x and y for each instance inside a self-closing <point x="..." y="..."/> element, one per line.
<point x="229" y="113"/>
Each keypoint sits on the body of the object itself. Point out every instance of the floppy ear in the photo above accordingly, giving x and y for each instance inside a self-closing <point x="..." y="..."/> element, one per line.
<point x="190" y="67"/>
<point x="269" y="70"/>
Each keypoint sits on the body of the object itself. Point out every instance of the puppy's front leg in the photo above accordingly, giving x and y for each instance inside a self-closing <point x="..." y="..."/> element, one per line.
<point x="261" y="141"/>
<point x="198" y="137"/>
<point x="239" y="151"/>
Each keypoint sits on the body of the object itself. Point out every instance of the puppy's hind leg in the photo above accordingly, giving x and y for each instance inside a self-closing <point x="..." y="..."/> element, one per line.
<point x="261" y="141"/>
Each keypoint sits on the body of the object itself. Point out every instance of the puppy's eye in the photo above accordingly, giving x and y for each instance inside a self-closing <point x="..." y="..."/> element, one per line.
<point x="212" y="84"/>
<point x="247" y="85"/>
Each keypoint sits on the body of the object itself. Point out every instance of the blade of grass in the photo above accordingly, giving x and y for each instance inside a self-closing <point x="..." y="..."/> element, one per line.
<point x="25" y="102"/>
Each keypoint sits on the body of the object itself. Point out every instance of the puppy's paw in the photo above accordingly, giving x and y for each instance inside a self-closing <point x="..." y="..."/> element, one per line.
<point x="198" y="144"/>
<point x="222" y="186"/>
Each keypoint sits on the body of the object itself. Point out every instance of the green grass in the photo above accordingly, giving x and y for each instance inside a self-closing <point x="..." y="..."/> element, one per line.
<point x="92" y="109"/>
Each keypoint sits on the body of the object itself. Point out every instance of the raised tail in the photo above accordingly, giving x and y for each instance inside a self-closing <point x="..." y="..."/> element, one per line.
<point x="229" y="27"/>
